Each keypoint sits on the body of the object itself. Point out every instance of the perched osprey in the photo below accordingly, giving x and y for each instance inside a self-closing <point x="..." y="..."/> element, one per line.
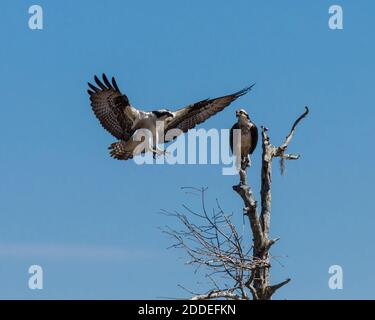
<point x="249" y="138"/>
<point x="122" y="120"/>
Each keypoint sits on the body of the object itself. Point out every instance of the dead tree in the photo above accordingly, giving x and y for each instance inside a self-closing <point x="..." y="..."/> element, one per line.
<point x="214" y="242"/>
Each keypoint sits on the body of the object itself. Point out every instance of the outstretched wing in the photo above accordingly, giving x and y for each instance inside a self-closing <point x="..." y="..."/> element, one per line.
<point x="194" y="114"/>
<point x="112" y="109"/>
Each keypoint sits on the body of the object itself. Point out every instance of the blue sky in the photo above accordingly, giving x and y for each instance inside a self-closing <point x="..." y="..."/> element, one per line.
<point x="92" y="222"/>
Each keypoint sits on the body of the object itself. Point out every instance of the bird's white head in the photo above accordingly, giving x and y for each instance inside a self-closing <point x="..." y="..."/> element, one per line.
<point x="241" y="113"/>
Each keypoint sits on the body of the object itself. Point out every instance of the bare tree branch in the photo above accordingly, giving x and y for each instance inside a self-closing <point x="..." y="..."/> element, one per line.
<point x="280" y="150"/>
<point x="215" y="294"/>
<point x="212" y="241"/>
<point x="261" y="275"/>
<point x="272" y="289"/>
<point x="250" y="207"/>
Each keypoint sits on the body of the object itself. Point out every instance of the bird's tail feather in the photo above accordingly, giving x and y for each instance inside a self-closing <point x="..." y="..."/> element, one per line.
<point x="119" y="151"/>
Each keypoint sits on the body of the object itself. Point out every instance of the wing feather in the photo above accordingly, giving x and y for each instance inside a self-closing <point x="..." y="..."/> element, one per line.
<point x="254" y="138"/>
<point x="231" y="132"/>
<point x="112" y="109"/>
<point x="194" y="114"/>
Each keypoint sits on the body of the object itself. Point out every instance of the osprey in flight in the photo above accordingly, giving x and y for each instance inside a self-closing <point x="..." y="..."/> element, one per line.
<point x="122" y="120"/>
<point x="245" y="144"/>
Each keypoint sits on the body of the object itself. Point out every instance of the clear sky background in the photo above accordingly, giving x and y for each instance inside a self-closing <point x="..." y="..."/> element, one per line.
<point x="92" y="222"/>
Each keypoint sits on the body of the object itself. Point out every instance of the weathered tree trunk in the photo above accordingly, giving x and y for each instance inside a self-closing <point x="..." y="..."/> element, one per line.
<point x="258" y="283"/>
<point x="214" y="243"/>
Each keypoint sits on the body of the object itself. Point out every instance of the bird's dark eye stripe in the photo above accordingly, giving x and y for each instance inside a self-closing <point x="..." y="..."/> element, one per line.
<point x="162" y="113"/>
